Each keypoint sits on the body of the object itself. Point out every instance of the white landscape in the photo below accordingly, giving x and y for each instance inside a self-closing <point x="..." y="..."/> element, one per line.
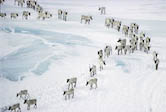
<point x="40" y="55"/>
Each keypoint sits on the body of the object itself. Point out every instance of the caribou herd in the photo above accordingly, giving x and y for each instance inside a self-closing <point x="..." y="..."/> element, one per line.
<point x="23" y="95"/>
<point x="134" y="41"/>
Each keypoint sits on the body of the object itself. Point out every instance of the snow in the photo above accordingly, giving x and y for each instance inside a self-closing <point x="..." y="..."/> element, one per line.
<point x="40" y="55"/>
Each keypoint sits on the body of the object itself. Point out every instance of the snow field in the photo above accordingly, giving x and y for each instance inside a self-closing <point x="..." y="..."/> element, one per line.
<point x="128" y="83"/>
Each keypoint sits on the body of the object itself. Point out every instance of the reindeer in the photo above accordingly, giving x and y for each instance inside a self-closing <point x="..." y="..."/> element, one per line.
<point x="72" y="81"/>
<point x="31" y="102"/>
<point x="87" y="19"/>
<point x="92" y="82"/>
<point x="68" y="93"/>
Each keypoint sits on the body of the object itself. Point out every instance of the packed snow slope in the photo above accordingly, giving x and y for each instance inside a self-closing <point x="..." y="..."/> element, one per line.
<point x="40" y="55"/>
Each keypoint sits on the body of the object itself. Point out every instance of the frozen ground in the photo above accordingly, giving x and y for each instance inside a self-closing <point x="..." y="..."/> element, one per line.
<point x="40" y="55"/>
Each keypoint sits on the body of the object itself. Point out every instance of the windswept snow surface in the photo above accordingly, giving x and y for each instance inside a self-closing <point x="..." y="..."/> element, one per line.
<point x="40" y="55"/>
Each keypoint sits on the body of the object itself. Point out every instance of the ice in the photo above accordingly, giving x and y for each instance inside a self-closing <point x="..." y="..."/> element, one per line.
<point x="24" y="59"/>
